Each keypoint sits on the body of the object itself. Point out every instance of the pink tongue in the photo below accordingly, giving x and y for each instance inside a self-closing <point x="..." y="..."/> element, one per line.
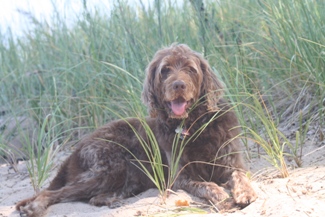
<point x="178" y="106"/>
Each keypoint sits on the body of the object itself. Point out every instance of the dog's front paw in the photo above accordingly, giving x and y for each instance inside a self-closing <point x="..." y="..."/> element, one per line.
<point x="220" y="198"/>
<point x="244" y="196"/>
<point x="243" y="193"/>
<point x="217" y="194"/>
<point x="241" y="189"/>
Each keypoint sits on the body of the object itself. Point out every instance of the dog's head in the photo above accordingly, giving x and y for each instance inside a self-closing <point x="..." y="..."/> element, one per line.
<point x="177" y="79"/>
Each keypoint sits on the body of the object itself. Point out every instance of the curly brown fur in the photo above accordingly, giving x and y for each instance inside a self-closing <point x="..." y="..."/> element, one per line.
<point x="180" y="89"/>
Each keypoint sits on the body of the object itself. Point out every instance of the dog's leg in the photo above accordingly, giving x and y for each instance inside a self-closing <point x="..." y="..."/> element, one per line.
<point x="207" y="190"/>
<point x="241" y="189"/>
<point x="36" y="206"/>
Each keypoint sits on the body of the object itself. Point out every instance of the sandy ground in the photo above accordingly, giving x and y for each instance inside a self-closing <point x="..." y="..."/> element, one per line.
<point x="301" y="194"/>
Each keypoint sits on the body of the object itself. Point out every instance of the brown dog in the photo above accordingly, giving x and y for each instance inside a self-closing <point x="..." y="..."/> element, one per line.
<point x="184" y="99"/>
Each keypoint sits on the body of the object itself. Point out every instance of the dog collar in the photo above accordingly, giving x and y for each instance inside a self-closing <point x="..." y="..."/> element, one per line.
<point x="182" y="132"/>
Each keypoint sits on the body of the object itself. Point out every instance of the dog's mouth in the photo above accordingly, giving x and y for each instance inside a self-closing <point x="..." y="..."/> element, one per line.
<point x="179" y="106"/>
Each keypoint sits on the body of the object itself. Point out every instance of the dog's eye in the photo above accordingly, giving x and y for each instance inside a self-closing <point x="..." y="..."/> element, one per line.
<point x="193" y="70"/>
<point x="164" y="71"/>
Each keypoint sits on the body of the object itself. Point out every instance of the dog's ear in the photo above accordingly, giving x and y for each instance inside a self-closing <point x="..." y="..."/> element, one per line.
<point x="148" y="97"/>
<point x="211" y="88"/>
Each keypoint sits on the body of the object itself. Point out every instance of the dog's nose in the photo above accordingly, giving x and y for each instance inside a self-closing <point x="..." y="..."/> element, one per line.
<point x="179" y="85"/>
